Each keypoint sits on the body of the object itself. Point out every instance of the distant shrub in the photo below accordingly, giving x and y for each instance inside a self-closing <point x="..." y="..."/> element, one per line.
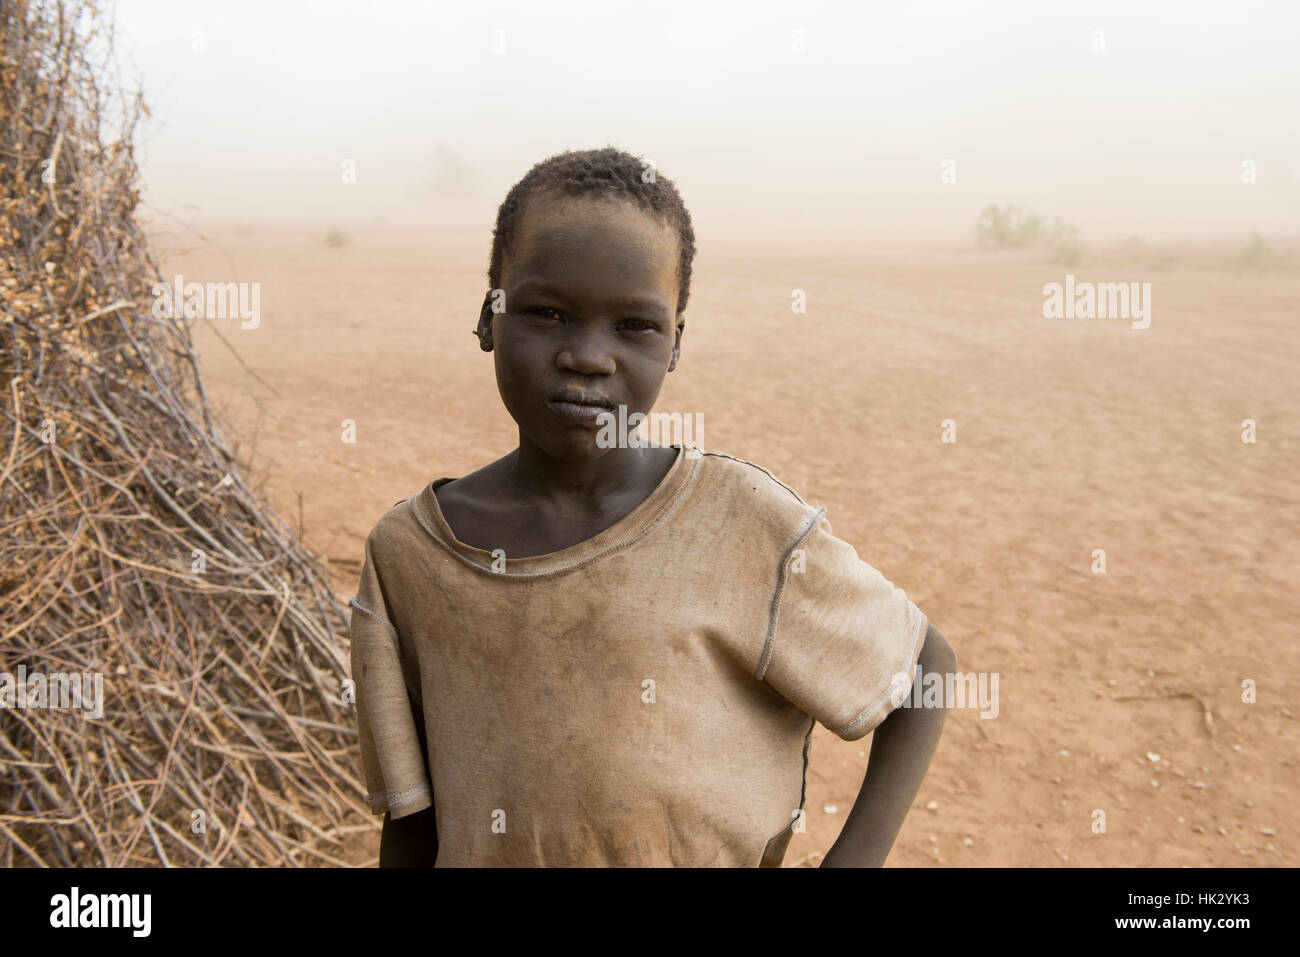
<point x="1256" y="251"/>
<point x="336" y="238"/>
<point x="1010" y="227"/>
<point x="1063" y="240"/>
<point x="1007" y="227"/>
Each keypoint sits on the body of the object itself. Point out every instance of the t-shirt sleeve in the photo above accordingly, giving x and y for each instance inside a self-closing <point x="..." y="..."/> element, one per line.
<point x="843" y="642"/>
<point x="388" y="717"/>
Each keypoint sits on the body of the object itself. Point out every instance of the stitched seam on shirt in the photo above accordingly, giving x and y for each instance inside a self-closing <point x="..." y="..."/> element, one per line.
<point x="662" y="515"/>
<point x="803" y="794"/>
<point x="377" y="617"/>
<point x="755" y="465"/>
<point x="769" y="643"/>
<point x="862" y="716"/>
<point x="411" y="689"/>
<point x="397" y="797"/>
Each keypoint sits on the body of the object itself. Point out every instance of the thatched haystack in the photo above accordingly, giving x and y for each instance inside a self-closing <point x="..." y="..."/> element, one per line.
<point x="130" y="545"/>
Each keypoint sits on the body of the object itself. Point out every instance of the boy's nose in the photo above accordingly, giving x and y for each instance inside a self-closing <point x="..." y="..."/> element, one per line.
<point x="585" y="357"/>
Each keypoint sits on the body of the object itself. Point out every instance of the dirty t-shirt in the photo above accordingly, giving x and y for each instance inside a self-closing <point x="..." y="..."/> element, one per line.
<point x="642" y="698"/>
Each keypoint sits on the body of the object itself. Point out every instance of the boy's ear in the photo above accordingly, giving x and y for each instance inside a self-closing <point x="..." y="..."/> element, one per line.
<point x="484" y="329"/>
<point x="677" y="343"/>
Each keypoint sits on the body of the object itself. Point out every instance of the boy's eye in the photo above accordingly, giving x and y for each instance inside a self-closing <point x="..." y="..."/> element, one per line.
<point x="634" y="325"/>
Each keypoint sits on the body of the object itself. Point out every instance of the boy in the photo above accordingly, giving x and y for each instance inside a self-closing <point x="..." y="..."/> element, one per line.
<point x="592" y="656"/>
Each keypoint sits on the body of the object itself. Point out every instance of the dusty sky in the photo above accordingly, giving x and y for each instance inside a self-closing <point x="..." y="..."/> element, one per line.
<point x="839" y="130"/>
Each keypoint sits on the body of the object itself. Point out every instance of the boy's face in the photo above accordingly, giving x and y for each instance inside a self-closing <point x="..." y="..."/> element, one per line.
<point x="590" y="313"/>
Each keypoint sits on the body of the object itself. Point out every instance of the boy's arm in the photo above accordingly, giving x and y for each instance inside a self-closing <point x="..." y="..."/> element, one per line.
<point x="410" y="841"/>
<point x="901" y="749"/>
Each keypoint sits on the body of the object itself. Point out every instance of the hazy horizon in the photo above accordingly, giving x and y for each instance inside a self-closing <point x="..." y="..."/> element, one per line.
<point x="1141" y="129"/>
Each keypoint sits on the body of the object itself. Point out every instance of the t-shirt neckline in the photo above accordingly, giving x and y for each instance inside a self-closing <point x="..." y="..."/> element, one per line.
<point x="650" y="512"/>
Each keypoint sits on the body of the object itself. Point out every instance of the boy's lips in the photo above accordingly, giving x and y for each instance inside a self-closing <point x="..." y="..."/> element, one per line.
<point x="580" y="408"/>
<point x="580" y="397"/>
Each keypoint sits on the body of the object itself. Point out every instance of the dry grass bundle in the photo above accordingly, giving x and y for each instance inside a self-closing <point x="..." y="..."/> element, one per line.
<point x="130" y="545"/>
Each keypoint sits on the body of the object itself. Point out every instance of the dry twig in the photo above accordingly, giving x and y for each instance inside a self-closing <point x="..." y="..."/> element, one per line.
<point x="221" y="683"/>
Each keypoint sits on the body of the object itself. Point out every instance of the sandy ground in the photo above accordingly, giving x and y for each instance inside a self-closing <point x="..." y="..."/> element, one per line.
<point x="1071" y="436"/>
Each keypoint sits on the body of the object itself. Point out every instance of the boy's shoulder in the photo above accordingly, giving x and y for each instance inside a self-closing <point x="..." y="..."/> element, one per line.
<point x="735" y="482"/>
<point x="397" y="529"/>
<point x="732" y="471"/>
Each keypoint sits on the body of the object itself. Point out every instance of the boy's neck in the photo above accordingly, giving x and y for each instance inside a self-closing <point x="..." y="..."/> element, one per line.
<point x="576" y="486"/>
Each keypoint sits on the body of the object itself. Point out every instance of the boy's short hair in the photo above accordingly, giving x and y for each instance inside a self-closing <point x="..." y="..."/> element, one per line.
<point x="598" y="173"/>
